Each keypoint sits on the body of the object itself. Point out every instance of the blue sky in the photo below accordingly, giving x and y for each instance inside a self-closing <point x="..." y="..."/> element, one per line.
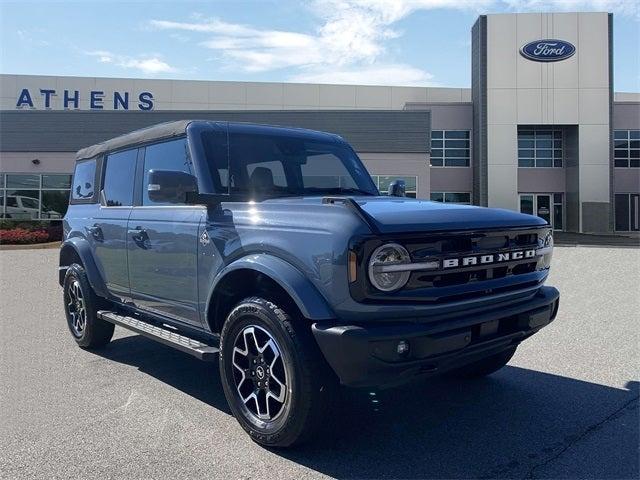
<point x="388" y="42"/>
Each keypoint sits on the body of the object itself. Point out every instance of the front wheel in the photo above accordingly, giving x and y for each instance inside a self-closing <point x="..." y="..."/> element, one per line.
<point x="273" y="374"/>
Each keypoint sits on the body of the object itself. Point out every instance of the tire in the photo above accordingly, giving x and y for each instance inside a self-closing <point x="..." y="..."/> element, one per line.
<point x="81" y="306"/>
<point x="484" y="367"/>
<point x="273" y="375"/>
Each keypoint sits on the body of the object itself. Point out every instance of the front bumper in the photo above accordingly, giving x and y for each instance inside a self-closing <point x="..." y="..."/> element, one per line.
<point x="366" y="355"/>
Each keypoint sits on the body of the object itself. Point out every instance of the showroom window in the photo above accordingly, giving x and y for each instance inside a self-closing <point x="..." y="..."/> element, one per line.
<point x="34" y="196"/>
<point x="540" y="147"/>
<point x="626" y="151"/>
<point x="463" y="198"/>
<point x="383" y="182"/>
<point x="450" y="148"/>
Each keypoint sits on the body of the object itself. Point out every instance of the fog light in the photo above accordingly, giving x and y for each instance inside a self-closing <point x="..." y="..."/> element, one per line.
<point x="403" y="348"/>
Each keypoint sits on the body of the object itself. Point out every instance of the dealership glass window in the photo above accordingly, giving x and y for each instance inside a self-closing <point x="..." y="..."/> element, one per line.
<point x="119" y="175"/>
<point x="626" y="151"/>
<point x="540" y="147"/>
<point x="383" y="182"/>
<point x="450" y="148"/>
<point x="34" y="196"/>
<point x="171" y="155"/>
<point x="463" y="198"/>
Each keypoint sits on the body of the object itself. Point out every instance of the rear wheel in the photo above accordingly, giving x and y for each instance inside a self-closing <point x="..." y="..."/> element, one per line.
<point x="272" y="374"/>
<point x="81" y="306"/>
<point x="484" y="367"/>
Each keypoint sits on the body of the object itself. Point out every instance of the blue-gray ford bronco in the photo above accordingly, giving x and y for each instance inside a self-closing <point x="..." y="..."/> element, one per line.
<point x="271" y="250"/>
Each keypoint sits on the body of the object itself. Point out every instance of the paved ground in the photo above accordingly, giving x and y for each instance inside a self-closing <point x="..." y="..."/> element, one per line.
<point x="566" y="407"/>
<point x="630" y="239"/>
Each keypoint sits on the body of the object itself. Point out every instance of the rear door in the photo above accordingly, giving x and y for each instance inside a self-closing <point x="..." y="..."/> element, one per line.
<point x="163" y="241"/>
<point x="108" y="230"/>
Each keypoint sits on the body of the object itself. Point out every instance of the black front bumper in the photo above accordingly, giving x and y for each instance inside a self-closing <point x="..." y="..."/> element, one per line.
<point x="366" y="355"/>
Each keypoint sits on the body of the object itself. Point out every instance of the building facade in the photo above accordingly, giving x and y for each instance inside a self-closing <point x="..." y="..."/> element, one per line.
<point x="540" y="130"/>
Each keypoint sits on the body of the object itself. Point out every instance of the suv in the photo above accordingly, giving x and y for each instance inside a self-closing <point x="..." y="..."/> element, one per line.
<point x="271" y="249"/>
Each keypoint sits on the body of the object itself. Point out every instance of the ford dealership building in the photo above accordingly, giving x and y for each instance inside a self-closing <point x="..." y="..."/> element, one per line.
<point x="540" y="130"/>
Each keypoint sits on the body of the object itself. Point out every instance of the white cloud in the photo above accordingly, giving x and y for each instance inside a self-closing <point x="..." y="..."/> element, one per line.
<point x="350" y="42"/>
<point x="376" y="74"/>
<point x="620" y="7"/>
<point x="149" y="64"/>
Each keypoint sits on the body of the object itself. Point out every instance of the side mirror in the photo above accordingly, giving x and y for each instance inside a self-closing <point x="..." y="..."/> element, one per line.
<point x="168" y="186"/>
<point x="397" y="188"/>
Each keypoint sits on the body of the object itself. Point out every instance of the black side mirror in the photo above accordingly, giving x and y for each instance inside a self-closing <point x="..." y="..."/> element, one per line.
<point x="397" y="188"/>
<point x="168" y="186"/>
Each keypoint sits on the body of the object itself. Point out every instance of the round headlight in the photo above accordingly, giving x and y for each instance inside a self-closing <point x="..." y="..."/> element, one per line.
<point x="383" y="267"/>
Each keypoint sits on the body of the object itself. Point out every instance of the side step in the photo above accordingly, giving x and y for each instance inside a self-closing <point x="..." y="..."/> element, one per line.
<point x="188" y="345"/>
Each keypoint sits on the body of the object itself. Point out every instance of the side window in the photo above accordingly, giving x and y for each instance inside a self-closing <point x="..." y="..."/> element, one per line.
<point x="119" y="174"/>
<point x="171" y="155"/>
<point x="276" y="169"/>
<point x="83" y="180"/>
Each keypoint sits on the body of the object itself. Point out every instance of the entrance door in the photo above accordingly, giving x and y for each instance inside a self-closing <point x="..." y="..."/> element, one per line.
<point x="634" y="207"/>
<point x="545" y="205"/>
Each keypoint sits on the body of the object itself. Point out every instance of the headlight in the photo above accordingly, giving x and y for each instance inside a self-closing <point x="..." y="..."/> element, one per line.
<point x="382" y="270"/>
<point x="545" y="248"/>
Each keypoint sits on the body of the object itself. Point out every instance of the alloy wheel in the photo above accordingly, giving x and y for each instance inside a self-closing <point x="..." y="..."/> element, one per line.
<point x="76" y="308"/>
<point x="259" y="373"/>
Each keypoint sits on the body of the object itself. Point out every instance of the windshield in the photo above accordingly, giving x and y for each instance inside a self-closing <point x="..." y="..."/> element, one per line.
<point x="267" y="165"/>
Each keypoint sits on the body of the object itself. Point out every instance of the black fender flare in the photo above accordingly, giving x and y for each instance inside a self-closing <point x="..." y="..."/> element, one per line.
<point x="83" y="250"/>
<point x="306" y="296"/>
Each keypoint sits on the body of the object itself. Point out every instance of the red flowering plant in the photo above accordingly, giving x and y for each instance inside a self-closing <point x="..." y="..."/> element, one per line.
<point x="22" y="236"/>
<point x="25" y="233"/>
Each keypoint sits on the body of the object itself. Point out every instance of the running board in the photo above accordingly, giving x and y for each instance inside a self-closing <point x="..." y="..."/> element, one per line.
<point x="188" y="345"/>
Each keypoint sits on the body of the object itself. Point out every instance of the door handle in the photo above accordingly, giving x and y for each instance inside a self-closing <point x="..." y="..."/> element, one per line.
<point x="140" y="236"/>
<point x="96" y="232"/>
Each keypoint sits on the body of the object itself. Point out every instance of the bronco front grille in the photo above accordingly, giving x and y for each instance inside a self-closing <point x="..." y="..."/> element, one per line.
<point x="452" y="284"/>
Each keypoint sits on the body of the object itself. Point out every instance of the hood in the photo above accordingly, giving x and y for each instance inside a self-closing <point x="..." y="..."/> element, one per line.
<point x="395" y="215"/>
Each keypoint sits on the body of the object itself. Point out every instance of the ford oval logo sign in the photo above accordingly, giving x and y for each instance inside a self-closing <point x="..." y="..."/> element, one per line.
<point x="547" y="50"/>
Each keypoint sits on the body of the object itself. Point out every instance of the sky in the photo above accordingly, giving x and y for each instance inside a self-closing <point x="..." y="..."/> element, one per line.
<point x="377" y="42"/>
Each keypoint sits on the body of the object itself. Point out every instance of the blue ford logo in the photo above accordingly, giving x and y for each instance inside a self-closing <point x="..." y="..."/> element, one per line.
<point x="547" y="50"/>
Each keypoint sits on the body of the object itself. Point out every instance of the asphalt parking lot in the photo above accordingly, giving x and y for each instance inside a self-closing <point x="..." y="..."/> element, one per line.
<point x="565" y="407"/>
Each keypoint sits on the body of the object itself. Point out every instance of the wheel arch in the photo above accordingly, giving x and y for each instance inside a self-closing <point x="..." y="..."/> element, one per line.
<point x="77" y="250"/>
<point x="268" y="276"/>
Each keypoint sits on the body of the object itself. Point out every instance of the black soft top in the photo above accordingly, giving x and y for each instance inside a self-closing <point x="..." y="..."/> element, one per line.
<point x="178" y="127"/>
<point x="154" y="132"/>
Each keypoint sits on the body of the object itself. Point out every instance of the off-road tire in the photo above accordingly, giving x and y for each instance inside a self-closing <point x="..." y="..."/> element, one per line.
<point x="484" y="367"/>
<point x="309" y="382"/>
<point x="95" y="332"/>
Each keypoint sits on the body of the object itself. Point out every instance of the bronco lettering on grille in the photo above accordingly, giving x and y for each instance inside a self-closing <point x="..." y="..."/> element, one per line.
<point x="487" y="259"/>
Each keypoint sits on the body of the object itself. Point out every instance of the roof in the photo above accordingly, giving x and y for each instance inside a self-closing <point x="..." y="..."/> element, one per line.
<point x="154" y="132"/>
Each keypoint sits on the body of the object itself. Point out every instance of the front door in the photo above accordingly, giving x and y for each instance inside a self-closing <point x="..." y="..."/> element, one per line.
<point x="163" y="242"/>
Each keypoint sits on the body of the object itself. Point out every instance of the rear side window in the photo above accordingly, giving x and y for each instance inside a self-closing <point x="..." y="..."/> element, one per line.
<point x="171" y="155"/>
<point x="84" y="179"/>
<point x="119" y="175"/>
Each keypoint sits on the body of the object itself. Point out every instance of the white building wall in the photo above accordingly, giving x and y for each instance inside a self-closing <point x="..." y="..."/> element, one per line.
<point x="211" y="95"/>
<point x="574" y="91"/>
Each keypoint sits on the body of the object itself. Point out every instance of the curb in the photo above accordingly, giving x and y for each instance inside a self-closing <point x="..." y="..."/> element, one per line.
<point x="33" y="246"/>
